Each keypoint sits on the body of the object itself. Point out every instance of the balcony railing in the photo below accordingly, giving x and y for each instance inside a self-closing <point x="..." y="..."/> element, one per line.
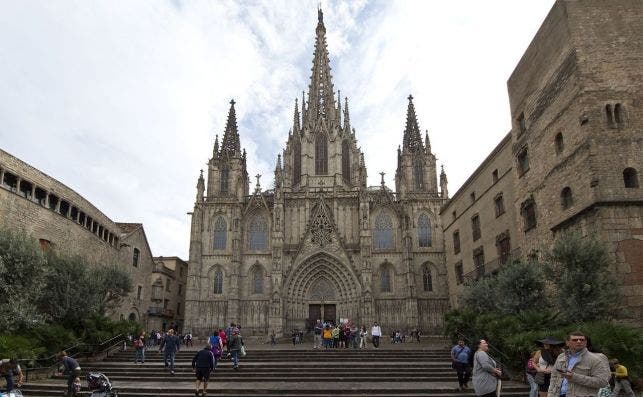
<point x="491" y="267"/>
<point x="160" y="312"/>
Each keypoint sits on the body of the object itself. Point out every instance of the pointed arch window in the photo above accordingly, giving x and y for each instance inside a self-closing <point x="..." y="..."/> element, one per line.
<point x="427" y="279"/>
<point x="346" y="161"/>
<point x="424" y="231"/>
<point x="258" y="233"/>
<point x="296" y="167"/>
<point x="220" y="233"/>
<point x="383" y="233"/>
<point x="257" y="280"/>
<point x="225" y="178"/>
<point x="321" y="154"/>
<point x="418" y="174"/>
<point x="218" y="281"/>
<point x="385" y="278"/>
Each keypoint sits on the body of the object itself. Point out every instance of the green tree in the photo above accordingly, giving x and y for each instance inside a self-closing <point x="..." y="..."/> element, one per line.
<point x="584" y="288"/>
<point x="22" y="277"/>
<point x="479" y="296"/>
<point x="519" y="287"/>
<point x="77" y="289"/>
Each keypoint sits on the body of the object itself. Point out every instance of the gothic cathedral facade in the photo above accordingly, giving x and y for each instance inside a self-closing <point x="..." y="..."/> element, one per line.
<point x="321" y="244"/>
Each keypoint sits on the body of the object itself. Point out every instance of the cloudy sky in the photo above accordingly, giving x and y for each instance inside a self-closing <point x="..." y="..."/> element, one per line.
<point x="121" y="100"/>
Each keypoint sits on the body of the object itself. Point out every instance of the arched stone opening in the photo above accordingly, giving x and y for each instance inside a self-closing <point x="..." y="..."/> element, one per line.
<point x="321" y="287"/>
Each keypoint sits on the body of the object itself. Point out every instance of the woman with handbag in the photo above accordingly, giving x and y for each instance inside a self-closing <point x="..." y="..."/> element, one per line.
<point x="550" y="350"/>
<point x="486" y="373"/>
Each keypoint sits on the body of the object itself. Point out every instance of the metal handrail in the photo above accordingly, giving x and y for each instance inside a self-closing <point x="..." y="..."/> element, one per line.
<point x="80" y="349"/>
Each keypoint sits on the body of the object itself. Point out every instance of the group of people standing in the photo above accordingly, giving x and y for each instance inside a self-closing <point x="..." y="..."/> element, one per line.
<point x="559" y="369"/>
<point x="343" y="336"/>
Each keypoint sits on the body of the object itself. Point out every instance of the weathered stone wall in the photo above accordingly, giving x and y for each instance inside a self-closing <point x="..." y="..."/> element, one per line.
<point x="493" y="179"/>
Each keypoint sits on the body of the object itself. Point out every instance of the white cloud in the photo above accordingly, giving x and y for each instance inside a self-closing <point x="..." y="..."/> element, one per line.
<point x="121" y="101"/>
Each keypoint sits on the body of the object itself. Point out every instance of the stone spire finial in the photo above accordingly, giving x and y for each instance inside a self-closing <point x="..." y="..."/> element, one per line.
<point x="427" y="142"/>
<point x="296" y="125"/>
<point x="412" y="138"/>
<point x="258" y="185"/>
<point x="200" y="188"/>
<point x="231" y="145"/>
<point x="215" y="151"/>
<point x="347" y="117"/>
<point x="321" y="99"/>
<point x="444" y="192"/>
<point x="382" y="174"/>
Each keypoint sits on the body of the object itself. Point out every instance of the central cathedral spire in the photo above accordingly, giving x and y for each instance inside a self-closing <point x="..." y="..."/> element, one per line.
<point x="321" y="99"/>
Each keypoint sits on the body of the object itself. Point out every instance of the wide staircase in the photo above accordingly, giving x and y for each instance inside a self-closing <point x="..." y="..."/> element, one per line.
<point x="408" y="369"/>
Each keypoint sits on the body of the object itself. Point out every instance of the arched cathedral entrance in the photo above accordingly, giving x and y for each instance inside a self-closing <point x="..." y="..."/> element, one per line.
<point x="321" y="287"/>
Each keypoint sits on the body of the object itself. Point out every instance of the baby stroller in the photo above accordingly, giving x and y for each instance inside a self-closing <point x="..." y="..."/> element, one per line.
<point x="100" y="386"/>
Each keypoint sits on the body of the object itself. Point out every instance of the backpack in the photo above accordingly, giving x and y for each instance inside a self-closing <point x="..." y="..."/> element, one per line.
<point x="138" y="343"/>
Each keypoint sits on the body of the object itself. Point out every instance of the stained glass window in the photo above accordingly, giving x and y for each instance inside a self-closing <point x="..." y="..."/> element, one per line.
<point x="321" y="155"/>
<point x="427" y="279"/>
<point x="383" y="233"/>
<point x="424" y="231"/>
<point x="385" y="280"/>
<point x="220" y="233"/>
<point x="258" y="233"/>
<point x="218" y="281"/>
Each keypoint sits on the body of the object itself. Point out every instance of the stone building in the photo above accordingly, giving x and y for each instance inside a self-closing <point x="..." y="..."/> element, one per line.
<point x="168" y="281"/>
<point x="573" y="156"/>
<point x="321" y="244"/>
<point x="61" y="219"/>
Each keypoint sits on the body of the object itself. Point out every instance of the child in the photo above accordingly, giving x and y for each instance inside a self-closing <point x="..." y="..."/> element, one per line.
<point x="76" y="387"/>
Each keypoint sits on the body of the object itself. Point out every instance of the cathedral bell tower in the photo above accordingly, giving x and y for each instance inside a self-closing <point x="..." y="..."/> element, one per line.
<point x="416" y="172"/>
<point x="321" y="151"/>
<point x="227" y="173"/>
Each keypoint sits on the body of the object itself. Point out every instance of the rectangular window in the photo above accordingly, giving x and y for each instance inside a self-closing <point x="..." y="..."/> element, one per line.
<point x="456" y="242"/>
<point x="528" y="211"/>
<point x="167" y="286"/>
<point x="523" y="161"/>
<point x="139" y="292"/>
<point x="475" y="227"/>
<point x="494" y="176"/>
<point x="135" y="257"/>
<point x="478" y="261"/>
<point x="180" y="286"/>
<point x="178" y="309"/>
<point x="459" y="273"/>
<point x="499" y="205"/>
<point x="473" y="197"/>
<point x="503" y="244"/>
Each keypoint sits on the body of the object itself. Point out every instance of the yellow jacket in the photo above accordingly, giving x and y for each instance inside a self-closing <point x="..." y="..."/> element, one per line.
<point x="621" y="371"/>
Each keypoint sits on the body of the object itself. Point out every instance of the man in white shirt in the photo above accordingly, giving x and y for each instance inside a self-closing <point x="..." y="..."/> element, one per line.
<point x="376" y="333"/>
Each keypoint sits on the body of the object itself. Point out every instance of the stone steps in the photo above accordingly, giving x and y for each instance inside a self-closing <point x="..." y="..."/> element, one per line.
<point x="395" y="371"/>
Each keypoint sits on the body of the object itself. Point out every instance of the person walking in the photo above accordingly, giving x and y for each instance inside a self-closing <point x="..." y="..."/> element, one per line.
<point x="139" y="348"/>
<point x="485" y="372"/>
<point x="460" y="362"/>
<point x="203" y="364"/>
<point x="376" y="334"/>
<point x="531" y="372"/>
<point x="550" y="349"/>
<point x="170" y="346"/>
<point x="71" y="368"/>
<point x="578" y="372"/>
<point x="216" y="346"/>
<point x="621" y="380"/>
<point x="235" y="348"/>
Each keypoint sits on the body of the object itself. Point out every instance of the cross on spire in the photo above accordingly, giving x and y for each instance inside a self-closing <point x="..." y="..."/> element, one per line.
<point x="258" y="185"/>
<point x="382" y="173"/>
